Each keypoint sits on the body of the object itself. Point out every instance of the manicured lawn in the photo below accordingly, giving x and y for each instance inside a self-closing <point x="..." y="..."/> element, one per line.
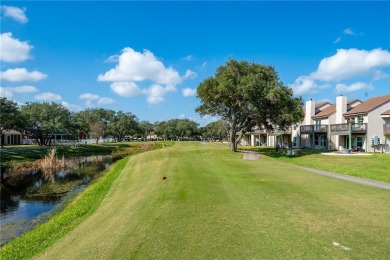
<point x="375" y="166"/>
<point x="214" y="205"/>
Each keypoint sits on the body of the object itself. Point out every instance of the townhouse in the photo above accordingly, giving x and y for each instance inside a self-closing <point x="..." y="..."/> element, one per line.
<point x="347" y="124"/>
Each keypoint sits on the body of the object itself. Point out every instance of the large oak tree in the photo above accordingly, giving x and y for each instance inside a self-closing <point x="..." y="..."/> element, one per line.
<point x="248" y="94"/>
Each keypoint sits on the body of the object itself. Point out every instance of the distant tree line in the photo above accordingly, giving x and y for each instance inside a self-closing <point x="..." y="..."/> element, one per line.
<point x="41" y="121"/>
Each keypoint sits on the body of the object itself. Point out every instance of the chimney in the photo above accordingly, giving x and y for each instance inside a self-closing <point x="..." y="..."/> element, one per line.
<point x="341" y="108"/>
<point x="310" y="111"/>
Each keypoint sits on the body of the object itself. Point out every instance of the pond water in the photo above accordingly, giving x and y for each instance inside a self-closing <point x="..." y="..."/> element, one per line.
<point x="31" y="199"/>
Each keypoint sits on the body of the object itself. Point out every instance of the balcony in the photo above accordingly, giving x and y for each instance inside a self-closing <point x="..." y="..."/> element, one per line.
<point x="278" y="131"/>
<point x="386" y="129"/>
<point x="308" y="129"/>
<point x="344" y="129"/>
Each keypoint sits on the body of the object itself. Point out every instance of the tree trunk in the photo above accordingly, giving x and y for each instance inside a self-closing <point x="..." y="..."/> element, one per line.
<point x="232" y="139"/>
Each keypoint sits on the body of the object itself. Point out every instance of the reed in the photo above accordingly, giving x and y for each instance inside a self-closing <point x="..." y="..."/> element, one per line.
<point x="49" y="165"/>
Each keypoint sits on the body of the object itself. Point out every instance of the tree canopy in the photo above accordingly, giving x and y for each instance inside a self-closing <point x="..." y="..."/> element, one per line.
<point x="248" y="94"/>
<point x="10" y="118"/>
<point x="42" y="120"/>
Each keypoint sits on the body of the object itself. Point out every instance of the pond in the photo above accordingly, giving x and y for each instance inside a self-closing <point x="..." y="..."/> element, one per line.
<point x="29" y="198"/>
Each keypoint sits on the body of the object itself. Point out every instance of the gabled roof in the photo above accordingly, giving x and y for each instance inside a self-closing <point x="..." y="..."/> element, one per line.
<point x="331" y="110"/>
<point x="369" y="105"/>
<point x="353" y="101"/>
<point x="326" y="112"/>
<point x="386" y="112"/>
<point x="321" y="104"/>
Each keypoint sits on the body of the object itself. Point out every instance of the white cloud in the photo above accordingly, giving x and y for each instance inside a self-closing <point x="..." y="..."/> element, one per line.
<point x="190" y="75"/>
<point x="48" y="96"/>
<point x="112" y="58"/>
<point x="187" y="92"/>
<point x="348" y="31"/>
<point x="125" y="89"/>
<point x="204" y="64"/>
<point x="182" y="116"/>
<point x="6" y="92"/>
<point x="156" y="94"/>
<point x="88" y="96"/>
<point x="12" y="49"/>
<point x="71" y="107"/>
<point x="338" y="39"/>
<point x="188" y="58"/>
<point x="21" y="74"/>
<point x="25" y="89"/>
<point x="346" y="64"/>
<point x="306" y="85"/>
<point x="342" y="88"/>
<point x="105" y="101"/>
<point x="16" y="13"/>
<point x="135" y="66"/>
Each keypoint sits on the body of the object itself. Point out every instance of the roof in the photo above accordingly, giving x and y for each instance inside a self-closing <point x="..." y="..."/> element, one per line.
<point x="386" y="112"/>
<point x="326" y="112"/>
<point x="331" y="109"/>
<point x="369" y="105"/>
<point x="322" y="104"/>
<point x="353" y="101"/>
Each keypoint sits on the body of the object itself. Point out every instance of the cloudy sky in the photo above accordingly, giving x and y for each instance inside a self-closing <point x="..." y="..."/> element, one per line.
<point x="149" y="57"/>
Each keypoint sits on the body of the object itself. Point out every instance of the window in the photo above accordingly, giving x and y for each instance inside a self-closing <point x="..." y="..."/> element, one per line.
<point x="323" y="141"/>
<point x="295" y="141"/>
<point x="295" y="126"/>
<point x="359" y="141"/>
<point x="316" y="140"/>
<point x="360" y="120"/>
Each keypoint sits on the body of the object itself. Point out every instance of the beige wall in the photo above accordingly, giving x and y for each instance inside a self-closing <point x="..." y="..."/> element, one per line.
<point x="375" y="124"/>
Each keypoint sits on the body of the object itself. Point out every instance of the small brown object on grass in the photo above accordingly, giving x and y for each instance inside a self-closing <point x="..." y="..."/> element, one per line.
<point x="164" y="178"/>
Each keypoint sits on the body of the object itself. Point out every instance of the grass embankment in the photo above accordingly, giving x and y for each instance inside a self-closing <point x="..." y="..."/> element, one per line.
<point x="375" y="166"/>
<point x="76" y="212"/>
<point x="11" y="155"/>
<point x="213" y="205"/>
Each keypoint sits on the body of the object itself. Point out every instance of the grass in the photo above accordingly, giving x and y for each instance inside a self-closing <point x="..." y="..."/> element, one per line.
<point x="78" y="210"/>
<point x="213" y="204"/>
<point x="11" y="155"/>
<point x="375" y="166"/>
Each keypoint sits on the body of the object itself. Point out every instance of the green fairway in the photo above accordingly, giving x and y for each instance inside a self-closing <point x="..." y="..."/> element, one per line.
<point x="214" y="205"/>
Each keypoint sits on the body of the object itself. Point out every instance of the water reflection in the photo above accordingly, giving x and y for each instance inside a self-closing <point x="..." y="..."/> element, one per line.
<point x="31" y="195"/>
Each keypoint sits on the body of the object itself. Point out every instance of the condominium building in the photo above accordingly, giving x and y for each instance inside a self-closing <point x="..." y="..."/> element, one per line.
<point x="347" y="124"/>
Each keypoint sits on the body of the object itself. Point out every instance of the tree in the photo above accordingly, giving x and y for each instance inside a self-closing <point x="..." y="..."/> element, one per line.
<point x="215" y="130"/>
<point x="97" y="122"/>
<point x="146" y="129"/>
<point x="42" y="120"/>
<point x="124" y="123"/>
<point x="10" y="116"/>
<point x="177" y="128"/>
<point x="247" y="94"/>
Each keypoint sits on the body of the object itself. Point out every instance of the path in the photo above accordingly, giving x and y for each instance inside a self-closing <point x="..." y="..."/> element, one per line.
<point x="362" y="181"/>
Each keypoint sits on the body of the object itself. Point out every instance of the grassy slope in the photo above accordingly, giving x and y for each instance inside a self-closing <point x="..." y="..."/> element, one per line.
<point x="375" y="167"/>
<point x="77" y="211"/>
<point x="216" y="205"/>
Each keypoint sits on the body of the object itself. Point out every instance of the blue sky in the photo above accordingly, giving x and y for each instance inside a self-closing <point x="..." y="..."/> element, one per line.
<point x="149" y="57"/>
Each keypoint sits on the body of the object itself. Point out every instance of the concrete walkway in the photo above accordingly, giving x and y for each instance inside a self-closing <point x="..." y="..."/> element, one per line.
<point x="378" y="184"/>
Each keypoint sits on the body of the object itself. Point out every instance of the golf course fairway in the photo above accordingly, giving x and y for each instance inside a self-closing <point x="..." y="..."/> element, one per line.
<point x="215" y="205"/>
